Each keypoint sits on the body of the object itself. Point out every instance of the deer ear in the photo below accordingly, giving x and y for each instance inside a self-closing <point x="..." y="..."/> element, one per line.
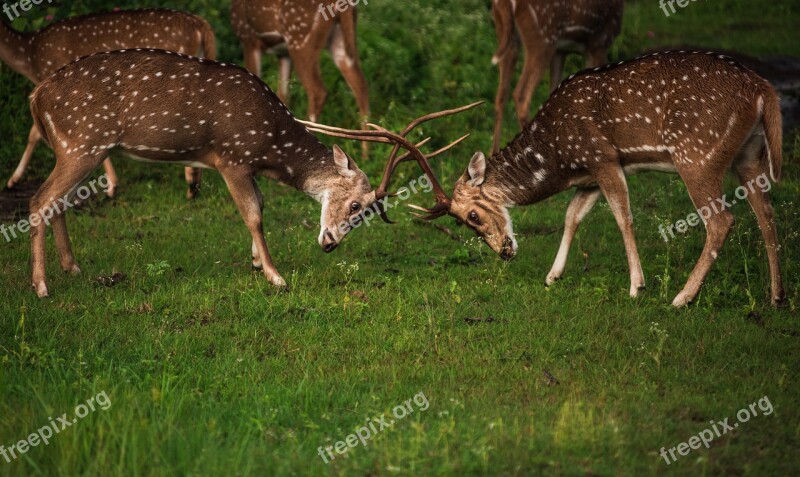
<point x="477" y="170"/>
<point x="344" y="165"/>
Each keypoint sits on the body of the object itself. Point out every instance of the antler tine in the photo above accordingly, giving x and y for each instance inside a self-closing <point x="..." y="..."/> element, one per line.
<point x="429" y="117"/>
<point x="407" y="157"/>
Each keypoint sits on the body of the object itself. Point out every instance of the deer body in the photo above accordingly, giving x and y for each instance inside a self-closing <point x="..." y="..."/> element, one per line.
<point x="39" y="54"/>
<point x="297" y="32"/>
<point x="699" y="115"/>
<point x="166" y="107"/>
<point x="548" y="31"/>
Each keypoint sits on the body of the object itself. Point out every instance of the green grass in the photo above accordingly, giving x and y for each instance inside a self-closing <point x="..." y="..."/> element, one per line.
<point x="212" y="373"/>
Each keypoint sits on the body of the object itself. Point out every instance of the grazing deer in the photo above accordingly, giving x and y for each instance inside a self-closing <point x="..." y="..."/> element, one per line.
<point x="549" y="30"/>
<point x="296" y="31"/>
<point x="167" y="107"/>
<point x="699" y="115"/>
<point x="39" y="54"/>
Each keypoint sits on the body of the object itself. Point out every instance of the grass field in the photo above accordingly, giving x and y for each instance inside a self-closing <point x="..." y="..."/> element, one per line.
<point x="208" y="371"/>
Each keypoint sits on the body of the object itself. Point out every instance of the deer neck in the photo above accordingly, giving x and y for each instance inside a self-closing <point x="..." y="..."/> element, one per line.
<point x="526" y="171"/>
<point x="15" y="51"/>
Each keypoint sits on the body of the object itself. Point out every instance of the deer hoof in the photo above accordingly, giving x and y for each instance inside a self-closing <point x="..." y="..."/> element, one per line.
<point x="780" y="302"/>
<point x="73" y="270"/>
<point x="551" y="279"/>
<point x="41" y="290"/>
<point x="681" y="300"/>
<point x="635" y="289"/>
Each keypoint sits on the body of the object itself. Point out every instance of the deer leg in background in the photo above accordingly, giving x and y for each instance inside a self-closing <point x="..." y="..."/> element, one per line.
<point x="33" y="139"/>
<point x="579" y="207"/>
<point x="612" y="182"/>
<point x="506" y="64"/>
<point x="597" y="57"/>
<point x="349" y="65"/>
<point x="536" y="59"/>
<point x="252" y="57"/>
<point x="306" y="63"/>
<point x="257" y="265"/>
<point x="556" y="69"/>
<point x="284" y="79"/>
<point x="112" y="178"/>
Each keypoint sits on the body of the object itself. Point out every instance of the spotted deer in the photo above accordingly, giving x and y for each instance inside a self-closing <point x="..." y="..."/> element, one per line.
<point x="548" y="31"/>
<point x="696" y="114"/>
<point x="39" y="54"/>
<point x="167" y="107"/>
<point x="297" y="32"/>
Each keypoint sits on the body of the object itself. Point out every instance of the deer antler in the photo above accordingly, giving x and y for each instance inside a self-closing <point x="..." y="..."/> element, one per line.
<point x="382" y="135"/>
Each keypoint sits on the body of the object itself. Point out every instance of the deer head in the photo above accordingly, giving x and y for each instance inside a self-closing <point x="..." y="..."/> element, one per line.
<point x="348" y="197"/>
<point x="479" y="205"/>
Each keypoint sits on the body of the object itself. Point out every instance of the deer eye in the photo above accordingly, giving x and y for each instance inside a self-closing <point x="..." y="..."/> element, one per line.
<point x="473" y="217"/>
<point x="355" y="206"/>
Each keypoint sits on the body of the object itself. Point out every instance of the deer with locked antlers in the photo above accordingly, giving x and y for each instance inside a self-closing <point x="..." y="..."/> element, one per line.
<point x="548" y="31"/>
<point x="297" y="31"/>
<point x="166" y="107"/>
<point x="696" y="114"/>
<point x="39" y="54"/>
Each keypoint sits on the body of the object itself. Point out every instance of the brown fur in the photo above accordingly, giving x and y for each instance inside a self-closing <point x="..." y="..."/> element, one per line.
<point x="548" y="30"/>
<point x="697" y="114"/>
<point x="165" y="107"/>
<point x="39" y="54"/>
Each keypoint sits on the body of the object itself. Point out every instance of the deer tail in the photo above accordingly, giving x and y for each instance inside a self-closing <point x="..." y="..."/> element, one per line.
<point x="773" y="132"/>
<point x="36" y="112"/>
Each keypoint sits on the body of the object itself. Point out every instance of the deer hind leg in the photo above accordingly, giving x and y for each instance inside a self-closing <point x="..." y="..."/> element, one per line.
<point x="507" y="64"/>
<point x="615" y="188"/>
<point x="579" y="207"/>
<point x="306" y="63"/>
<point x="33" y="139"/>
<point x="596" y="57"/>
<point x="252" y="57"/>
<point x="706" y="191"/>
<point x="753" y="175"/>
<point x="243" y="188"/>
<point x="48" y="204"/>
<point x="347" y="62"/>
<point x="193" y="178"/>
<point x="111" y="174"/>
<point x="257" y="265"/>
<point x="284" y="78"/>
<point x="536" y="60"/>
<point x="557" y="69"/>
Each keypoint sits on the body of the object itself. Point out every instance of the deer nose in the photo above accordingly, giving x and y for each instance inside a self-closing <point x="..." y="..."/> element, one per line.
<point x="508" y="250"/>
<point x="329" y="243"/>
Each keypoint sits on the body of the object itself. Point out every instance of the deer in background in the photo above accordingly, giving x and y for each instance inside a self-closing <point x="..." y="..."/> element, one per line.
<point x="297" y="32"/>
<point x="548" y="30"/>
<point x="696" y="114"/>
<point x="39" y="54"/>
<point x="166" y="107"/>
